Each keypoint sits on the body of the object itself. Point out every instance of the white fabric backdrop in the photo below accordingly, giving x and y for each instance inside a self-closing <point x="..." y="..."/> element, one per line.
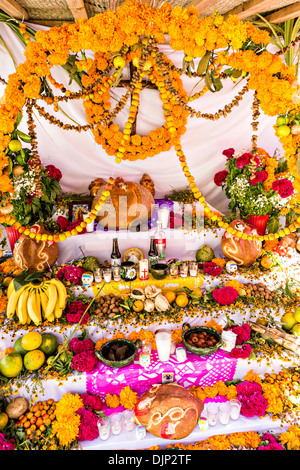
<point x="81" y="160"/>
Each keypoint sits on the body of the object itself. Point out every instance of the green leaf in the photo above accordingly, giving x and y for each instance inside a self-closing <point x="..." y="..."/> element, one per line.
<point x="273" y="224"/>
<point x="203" y="63"/>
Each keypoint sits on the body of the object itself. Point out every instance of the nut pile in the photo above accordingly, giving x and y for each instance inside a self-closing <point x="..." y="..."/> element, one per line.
<point x="108" y="306"/>
<point x="259" y="290"/>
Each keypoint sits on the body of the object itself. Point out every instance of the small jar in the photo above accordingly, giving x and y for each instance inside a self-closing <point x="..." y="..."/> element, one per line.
<point x="116" y="270"/>
<point x="173" y="270"/>
<point x="107" y="274"/>
<point x="98" y="275"/>
<point x="184" y="269"/>
<point x="193" y="269"/>
<point x="145" y="355"/>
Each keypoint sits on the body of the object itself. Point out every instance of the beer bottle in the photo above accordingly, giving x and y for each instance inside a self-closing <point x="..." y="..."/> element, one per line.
<point x="153" y="253"/>
<point x="115" y="257"/>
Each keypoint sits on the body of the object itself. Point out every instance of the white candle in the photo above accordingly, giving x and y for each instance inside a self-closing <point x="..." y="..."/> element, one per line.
<point x="212" y="414"/>
<point x="235" y="407"/>
<point x="224" y="411"/>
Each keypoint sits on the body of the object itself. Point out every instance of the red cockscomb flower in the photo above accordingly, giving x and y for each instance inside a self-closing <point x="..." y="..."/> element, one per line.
<point x="220" y="177"/>
<point x="284" y="187"/>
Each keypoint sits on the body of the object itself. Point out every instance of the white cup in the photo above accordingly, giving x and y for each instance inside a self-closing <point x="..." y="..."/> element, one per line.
<point x="163" y="214"/>
<point x="163" y="344"/>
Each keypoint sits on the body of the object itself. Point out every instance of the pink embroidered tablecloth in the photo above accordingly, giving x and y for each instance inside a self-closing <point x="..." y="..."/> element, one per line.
<point x="196" y="370"/>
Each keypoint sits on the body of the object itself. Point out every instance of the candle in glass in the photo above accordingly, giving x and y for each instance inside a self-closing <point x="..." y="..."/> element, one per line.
<point x="116" y="423"/>
<point x="98" y="275"/>
<point x="184" y="270"/>
<point x="235" y="408"/>
<point x="128" y="420"/>
<point x="224" y="412"/>
<point x="193" y="269"/>
<point x="212" y="414"/>
<point x="107" y="274"/>
<point x="104" y="428"/>
<point x="117" y="273"/>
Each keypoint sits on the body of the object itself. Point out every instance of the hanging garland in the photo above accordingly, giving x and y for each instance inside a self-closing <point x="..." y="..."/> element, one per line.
<point x="131" y="34"/>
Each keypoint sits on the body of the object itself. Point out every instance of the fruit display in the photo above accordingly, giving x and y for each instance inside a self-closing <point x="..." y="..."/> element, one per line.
<point x="29" y="353"/>
<point x="37" y="301"/>
<point x="291" y="322"/>
<point x="287" y="124"/>
<point x="114" y="216"/>
<point x="35" y="254"/>
<point x="37" y="419"/>
<point x="201" y="339"/>
<point x="244" y="252"/>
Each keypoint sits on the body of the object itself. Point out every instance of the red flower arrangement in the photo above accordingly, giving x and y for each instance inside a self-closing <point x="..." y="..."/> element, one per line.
<point x="67" y="226"/>
<point x="70" y="273"/>
<point x="284" y="187"/>
<point x="77" y="346"/>
<point x="242" y="352"/>
<point x="260" y="177"/>
<point x="252" y="400"/>
<point x="92" y="402"/>
<point x="75" y="311"/>
<point x="228" y="153"/>
<point x="269" y="442"/>
<point x="220" y="177"/>
<point x="244" y="160"/>
<point x="84" y="359"/>
<point x="225" y="295"/>
<point x="53" y="172"/>
<point x="212" y="269"/>
<point x="88" y="429"/>
<point x="243" y="333"/>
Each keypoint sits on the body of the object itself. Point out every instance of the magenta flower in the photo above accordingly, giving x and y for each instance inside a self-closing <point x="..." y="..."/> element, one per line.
<point x="88" y="429"/>
<point x="85" y="361"/>
<point x="228" y="153"/>
<point x="260" y="177"/>
<point x="284" y="187"/>
<point x="77" y="345"/>
<point x="220" y="177"/>
<point x="91" y="401"/>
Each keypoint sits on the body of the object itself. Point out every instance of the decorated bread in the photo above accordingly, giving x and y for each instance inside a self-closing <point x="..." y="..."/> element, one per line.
<point x="243" y="252"/>
<point x="148" y="183"/>
<point x="33" y="255"/>
<point x="168" y="411"/>
<point x="128" y="204"/>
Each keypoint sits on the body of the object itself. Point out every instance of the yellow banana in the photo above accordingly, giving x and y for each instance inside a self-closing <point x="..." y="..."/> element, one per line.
<point x="10" y="289"/>
<point x="52" y="295"/>
<point x="58" y="311"/>
<point x="13" y="301"/>
<point x="62" y="292"/>
<point x="22" y="307"/>
<point x="44" y="301"/>
<point x="34" y="307"/>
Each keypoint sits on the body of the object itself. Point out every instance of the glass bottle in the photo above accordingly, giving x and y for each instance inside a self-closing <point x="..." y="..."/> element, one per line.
<point x="115" y="257"/>
<point x="160" y="241"/>
<point x="152" y="253"/>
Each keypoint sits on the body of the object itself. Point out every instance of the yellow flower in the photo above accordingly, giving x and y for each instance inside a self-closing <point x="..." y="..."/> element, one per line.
<point x="112" y="401"/>
<point x="128" y="398"/>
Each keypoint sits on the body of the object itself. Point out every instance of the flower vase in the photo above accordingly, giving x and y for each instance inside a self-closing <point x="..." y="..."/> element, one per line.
<point x="13" y="236"/>
<point x="259" y="222"/>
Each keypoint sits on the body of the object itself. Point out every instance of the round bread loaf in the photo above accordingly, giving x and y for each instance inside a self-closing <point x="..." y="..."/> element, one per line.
<point x="168" y="411"/>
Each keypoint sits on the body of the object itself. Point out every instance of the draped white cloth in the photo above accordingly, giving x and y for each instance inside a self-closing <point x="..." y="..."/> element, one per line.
<point x="81" y="160"/>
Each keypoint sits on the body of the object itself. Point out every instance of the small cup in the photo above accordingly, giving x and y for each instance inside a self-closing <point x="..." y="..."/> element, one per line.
<point x="116" y="423"/>
<point x="104" y="428"/>
<point x="116" y="270"/>
<point x="128" y="420"/>
<point x="98" y="275"/>
<point x="235" y="408"/>
<point x="184" y="269"/>
<point x="173" y="270"/>
<point x="107" y="274"/>
<point x="224" y="412"/>
<point x="212" y="413"/>
<point x="193" y="269"/>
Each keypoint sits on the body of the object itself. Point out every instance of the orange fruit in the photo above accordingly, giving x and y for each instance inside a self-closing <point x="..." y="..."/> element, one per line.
<point x="170" y="296"/>
<point x="197" y="292"/>
<point x="266" y="262"/>
<point x="182" y="300"/>
<point x="138" y="306"/>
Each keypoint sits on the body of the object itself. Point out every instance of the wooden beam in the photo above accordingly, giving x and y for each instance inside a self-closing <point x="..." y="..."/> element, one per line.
<point x="77" y="8"/>
<point x="203" y="5"/>
<point x="251" y="7"/>
<point x="13" y="9"/>
<point x="284" y="14"/>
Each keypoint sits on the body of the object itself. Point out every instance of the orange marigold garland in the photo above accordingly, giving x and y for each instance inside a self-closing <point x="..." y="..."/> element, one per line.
<point x="132" y="33"/>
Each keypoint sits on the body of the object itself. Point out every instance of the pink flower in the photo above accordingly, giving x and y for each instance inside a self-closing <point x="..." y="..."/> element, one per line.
<point x="244" y="160"/>
<point x="284" y="187"/>
<point x="78" y="345"/>
<point x="243" y="333"/>
<point x="6" y="444"/>
<point x="228" y="153"/>
<point x="88" y="429"/>
<point x="273" y="446"/>
<point x="53" y="172"/>
<point x="92" y="401"/>
<point x="220" y="177"/>
<point x="242" y="352"/>
<point x="260" y="177"/>
<point x="85" y="361"/>
<point x="212" y="269"/>
<point x="225" y="295"/>
<point x="75" y="317"/>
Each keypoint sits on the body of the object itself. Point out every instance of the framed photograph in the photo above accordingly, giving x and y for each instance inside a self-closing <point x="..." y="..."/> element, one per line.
<point x="77" y="208"/>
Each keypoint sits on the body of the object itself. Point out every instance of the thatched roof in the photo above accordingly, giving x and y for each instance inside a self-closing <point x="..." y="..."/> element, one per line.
<point x="55" y="12"/>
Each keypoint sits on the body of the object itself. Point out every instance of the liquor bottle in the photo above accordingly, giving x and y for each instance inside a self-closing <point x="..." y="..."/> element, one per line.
<point x="160" y="242"/>
<point x="115" y="257"/>
<point x="152" y="253"/>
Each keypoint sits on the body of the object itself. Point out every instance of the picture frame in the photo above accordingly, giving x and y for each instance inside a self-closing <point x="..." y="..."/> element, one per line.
<point x="77" y="208"/>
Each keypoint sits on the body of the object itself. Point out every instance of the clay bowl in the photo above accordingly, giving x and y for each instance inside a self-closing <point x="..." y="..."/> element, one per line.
<point x="159" y="271"/>
<point x="188" y="330"/>
<point x="132" y="345"/>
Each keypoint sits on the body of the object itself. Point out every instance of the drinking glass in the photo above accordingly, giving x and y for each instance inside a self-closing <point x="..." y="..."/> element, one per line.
<point x="212" y="414"/>
<point x="235" y="408"/>
<point x="116" y="273"/>
<point x="128" y="420"/>
<point x="98" y="275"/>
<point x="116" y="423"/>
<point x="184" y="270"/>
<point x="104" y="428"/>
<point x="193" y="269"/>
<point x="224" y="412"/>
<point x="107" y="274"/>
<point x="163" y="344"/>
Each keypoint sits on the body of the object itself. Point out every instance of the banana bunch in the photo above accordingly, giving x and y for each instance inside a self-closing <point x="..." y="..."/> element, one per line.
<point x="37" y="302"/>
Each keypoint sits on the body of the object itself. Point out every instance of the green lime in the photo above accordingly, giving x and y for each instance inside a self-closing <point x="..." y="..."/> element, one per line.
<point x="18" y="347"/>
<point x="15" y="145"/>
<point x="49" y="344"/>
